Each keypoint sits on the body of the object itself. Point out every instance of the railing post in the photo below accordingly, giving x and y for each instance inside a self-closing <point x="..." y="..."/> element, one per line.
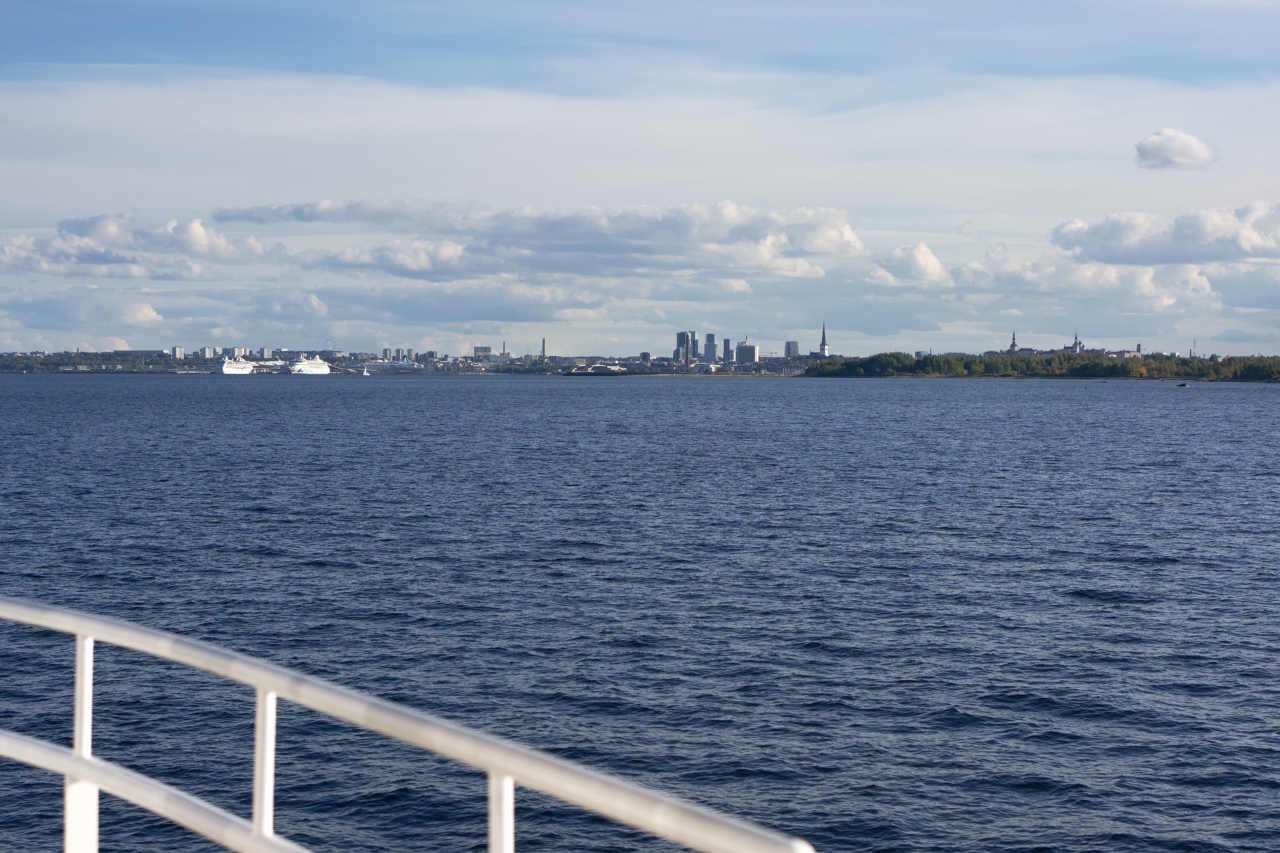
<point x="80" y="798"/>
<point x="502" y="814"/>
<point x="264" y="763"/>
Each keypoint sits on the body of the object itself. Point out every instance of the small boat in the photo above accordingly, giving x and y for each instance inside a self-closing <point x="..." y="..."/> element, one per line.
<point x="1184" y="385"/>
<point x="366" y="371"/>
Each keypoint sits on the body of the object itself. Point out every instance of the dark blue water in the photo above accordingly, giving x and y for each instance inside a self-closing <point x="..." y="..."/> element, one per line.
<point x="880" y="614"/>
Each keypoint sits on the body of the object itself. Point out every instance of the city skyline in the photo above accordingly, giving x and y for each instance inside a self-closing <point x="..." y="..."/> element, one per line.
<point x="432" y="179"/>
<point x="705" y="347"/>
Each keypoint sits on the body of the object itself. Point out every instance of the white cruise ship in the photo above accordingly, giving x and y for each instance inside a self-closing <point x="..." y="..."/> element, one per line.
<point x="235" y="366"/>
<point x="309" y="366"/>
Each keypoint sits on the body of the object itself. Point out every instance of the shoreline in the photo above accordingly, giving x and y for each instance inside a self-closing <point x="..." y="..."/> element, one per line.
<point x="1180" y="380"/>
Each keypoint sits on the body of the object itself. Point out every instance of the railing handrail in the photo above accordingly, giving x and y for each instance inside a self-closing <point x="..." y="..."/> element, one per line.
<point x="693" y="826"/>
<point x="232" y="832"/>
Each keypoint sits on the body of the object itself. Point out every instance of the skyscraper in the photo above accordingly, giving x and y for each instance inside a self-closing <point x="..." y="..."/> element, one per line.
<point x="709" y="348"/>
<point x="747" y="352"/>
<point x="686" y="351"/>
<point x="791" y="349"/>
<point x="728" y="352"/>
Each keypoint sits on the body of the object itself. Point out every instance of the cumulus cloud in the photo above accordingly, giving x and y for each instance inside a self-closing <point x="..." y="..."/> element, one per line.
<point x="193" y="238"/>
<point x="110" y="246"/>
<point x="1174" y="149"/>
<point x="449" y="243"/>
<point x="746" y="269"/>
<point x="1058" y="284"/>
<point x="452" y="240"/>
<point x="317" y="305"/>
<point x="402" y="258"/>
<point x="141" y="314"/>
<point x="1200" y="236"/>
<point x="912" y="265"/>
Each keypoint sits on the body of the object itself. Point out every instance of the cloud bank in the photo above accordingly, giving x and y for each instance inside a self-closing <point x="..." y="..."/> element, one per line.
<point x="1247" y="233"/>
<point x="403" y="272"/>
<point x="109" y="246"/>
<point x="455" y="241"/>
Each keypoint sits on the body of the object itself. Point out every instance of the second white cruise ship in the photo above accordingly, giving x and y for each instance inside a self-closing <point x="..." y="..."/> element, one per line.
<point x="235" y="366"/>
<point x="309" y="366"/>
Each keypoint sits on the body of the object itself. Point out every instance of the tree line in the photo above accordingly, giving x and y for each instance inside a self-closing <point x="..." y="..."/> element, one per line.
<point x="128" y="361"/>
<point x="1252" y="368"/>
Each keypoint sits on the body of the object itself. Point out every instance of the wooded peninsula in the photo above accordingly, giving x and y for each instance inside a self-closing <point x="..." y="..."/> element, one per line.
<point x="1252" y="368"/>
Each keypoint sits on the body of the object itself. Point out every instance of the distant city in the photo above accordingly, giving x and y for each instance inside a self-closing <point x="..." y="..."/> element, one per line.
<point x="694" y="352"/>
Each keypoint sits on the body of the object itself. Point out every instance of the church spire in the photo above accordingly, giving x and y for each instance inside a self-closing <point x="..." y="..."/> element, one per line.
<point x="822" y="347"/>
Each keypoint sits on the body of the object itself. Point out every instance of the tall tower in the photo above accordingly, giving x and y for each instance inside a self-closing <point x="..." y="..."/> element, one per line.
<point x="1013" y="345"/>
<point x="544" y="349"/>
<point x="822" y="347"/>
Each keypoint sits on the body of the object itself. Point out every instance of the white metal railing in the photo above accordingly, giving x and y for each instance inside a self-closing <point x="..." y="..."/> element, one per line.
<point x="506" y="763"/>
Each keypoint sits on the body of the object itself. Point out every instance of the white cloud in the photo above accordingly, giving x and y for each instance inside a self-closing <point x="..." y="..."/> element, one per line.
<point x="621" y="277"/>
<point x="581" y="314"/>
<point x="454" y="243"/>
<point x="1055" y="284"/>
<point x="1200" y="236"/>
<point x="109" y="246"/>
<point x="193" y="238"/>
<point x="1174" y="149"/>
<point x="915" y="265"/>
<point x="317" y="306"/>
<point x="141" y="314"/>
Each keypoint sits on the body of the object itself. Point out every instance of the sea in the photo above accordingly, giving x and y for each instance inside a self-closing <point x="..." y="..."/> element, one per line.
<point x="879" y="614"/>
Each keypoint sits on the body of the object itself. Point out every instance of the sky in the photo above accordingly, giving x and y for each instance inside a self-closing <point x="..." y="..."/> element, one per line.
<point x="916" y="175"/>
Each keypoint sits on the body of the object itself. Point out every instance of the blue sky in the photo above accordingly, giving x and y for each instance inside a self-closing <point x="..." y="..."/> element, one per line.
<point x="917" y="175"/>
<point x="526" y="45"/>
